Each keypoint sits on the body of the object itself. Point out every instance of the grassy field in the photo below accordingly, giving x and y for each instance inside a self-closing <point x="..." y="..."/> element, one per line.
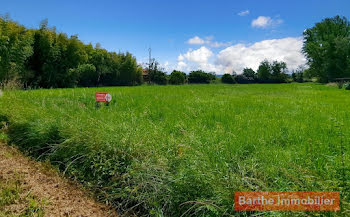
<point x="185" y="150"/>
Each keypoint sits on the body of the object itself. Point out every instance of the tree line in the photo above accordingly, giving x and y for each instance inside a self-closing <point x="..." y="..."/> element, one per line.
<point x="44" y="58"/>
<point x="47" y="59"/>
<point x="326" y="47"/>
<point x="268" y="72"/>
<point x="327" y="50"/>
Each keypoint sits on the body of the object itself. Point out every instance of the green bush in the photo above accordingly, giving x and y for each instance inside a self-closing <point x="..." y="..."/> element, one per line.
<point x="227" y="79"/>
<point x="347" y="86"/>
<point x="200" y="77"/>
<point x="242" y="79"/>
<point x="158" y="77"/>
<point x="87" y="74"/>
<point x="298" y="77"/>
<point x="177" y="77"/>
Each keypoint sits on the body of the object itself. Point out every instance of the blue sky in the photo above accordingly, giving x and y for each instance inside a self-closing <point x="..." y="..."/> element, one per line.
<point x="221" y="36"/>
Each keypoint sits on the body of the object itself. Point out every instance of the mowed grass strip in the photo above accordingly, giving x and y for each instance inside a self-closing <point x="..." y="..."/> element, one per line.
<point x="174" y="150"/>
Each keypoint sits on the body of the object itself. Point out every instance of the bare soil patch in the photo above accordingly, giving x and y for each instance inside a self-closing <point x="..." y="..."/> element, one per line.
<point x="35" y="188"/>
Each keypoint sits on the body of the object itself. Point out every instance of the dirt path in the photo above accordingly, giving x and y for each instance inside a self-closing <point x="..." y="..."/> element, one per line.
<point x="30" y="188"/>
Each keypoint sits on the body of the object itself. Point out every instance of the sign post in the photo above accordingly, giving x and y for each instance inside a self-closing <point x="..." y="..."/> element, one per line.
<point x="103" y="97"/>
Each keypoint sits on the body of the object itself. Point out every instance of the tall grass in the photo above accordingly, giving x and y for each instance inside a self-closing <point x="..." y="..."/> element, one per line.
<point x="185" y="150"/>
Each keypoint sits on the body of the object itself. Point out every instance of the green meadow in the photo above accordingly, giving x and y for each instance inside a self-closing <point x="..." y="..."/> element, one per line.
<point x="184" y="150"/>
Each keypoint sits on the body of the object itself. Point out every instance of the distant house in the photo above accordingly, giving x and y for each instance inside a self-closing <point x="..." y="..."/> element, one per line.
<point x="145" y="75"/>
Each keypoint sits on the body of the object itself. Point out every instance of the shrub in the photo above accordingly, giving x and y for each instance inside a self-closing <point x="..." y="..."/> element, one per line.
<point x="249" y="73"/>
<point x="241" y="79"/>
<point x="200" y="76"/>
<point x="177" y="77"/>
<point x="158" y="77"/>
<point x="274" y="72"/>
<point x="298" y="77"/>
<point x="227" y="79"/>
<point x="212" y="76"/>
<point x="87" y="74"/>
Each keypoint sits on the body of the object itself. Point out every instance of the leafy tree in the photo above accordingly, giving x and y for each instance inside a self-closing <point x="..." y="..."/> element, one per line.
<point x="44" y="58"/>
<point x="138" y="79"/>
<point x="99" y="59"/>
<point x="159" y="77"/>
<point x="278" y="72"/>
<point x="242" y="79"/>
<point x="274" y="72"/>
<point x="298" y="75"/>
<point x="327" y="48"/>
<point x="227" y="78"/>
<point x="15" y="49"/>
<point x="212" y="76"/>
<point x="264" y="71"/>
<point x="86" y="74"/>
<point x="128" y="69"/>
<point x="177" y="77"/>
<point x="249" y="73"/>
<point x="156" y="75"/>
<point x="200" y="77"/>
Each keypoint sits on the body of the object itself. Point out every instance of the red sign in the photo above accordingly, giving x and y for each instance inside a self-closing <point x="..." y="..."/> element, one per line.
<point x="103" y="97"/>
<point x="287" y="200"/>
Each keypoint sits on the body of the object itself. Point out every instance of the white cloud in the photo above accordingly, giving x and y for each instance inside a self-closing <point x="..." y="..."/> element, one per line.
<point x="196" y="59"/>
<point x="240" y="56"/>
<point x="265" y="22"/>
<point x="200" y="55"/>
<point x="182" y="66"/>
<point x="180" y="58"/>
<point x="165" y="66"/>
<point x="243" y="13"/>
<point x="219" y="44"/>
<point x="208" y="41"/>
<point x="196" y="40"/>
<point x="209" y="38"/>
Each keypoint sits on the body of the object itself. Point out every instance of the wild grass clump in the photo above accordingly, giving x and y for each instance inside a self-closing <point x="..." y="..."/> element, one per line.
<point x="185" y="150"/>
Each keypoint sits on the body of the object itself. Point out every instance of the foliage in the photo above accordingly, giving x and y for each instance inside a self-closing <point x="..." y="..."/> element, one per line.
<point x="264" y="71"/>
<point x="44" y="58"/>
<point x="298" y="75"/>
<point x="212" y="76"/>
<point x="123" y="71"/>
<point x="242" y="79"/>
<point x="177" y="77"/>
<point x="86" y="73"/>
<point x="279" y="72"/>
<point x="227" y="78"/>
<point x="327" y="48"/>
<point x="199" y="76"/>
<point x="15" y="49"/>
<point x="158" y="77"/>
<point x="249" y="73"/>
<point x="180" y="150"/>
<point x="274" y="72"/>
